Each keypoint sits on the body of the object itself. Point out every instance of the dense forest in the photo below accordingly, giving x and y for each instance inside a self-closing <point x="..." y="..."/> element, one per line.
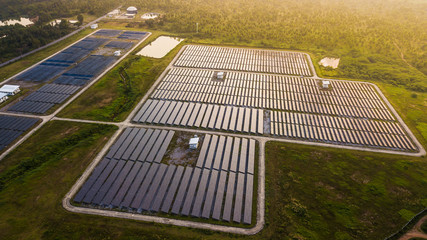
<point x="51" y="9"/>
<point x="16" y="40"/>
<point x="22" y="39"/>
<point x="385" y="40"/>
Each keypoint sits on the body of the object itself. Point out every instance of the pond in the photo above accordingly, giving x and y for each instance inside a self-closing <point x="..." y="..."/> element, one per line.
<point x="160" y="47"/>
<point x="23" y="21"/>
<point x="330" y="62"/>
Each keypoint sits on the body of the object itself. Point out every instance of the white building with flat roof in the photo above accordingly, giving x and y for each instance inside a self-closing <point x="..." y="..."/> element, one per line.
<point x="325" y="84"/>
<point x="10" y="89"/>
<point x="194" y="142"/>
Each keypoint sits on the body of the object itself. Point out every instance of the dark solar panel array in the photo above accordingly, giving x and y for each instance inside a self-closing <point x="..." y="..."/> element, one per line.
<point x="228" y="118"/>
<point x="86" y="70"/>
<point x="119" y="44"/>
<point x="107" y="32"/>
<point x="44" y="98"/>
<point x="132" y="35"/>
<point x="40" y="73"/>
<point x="91" y="66"/>
<point x="12" y="127"/>
<point x="132" y="177"/>
<point x="55" y="65"/>
<point x="125" y="177"/>
<point x="89" y="43"/>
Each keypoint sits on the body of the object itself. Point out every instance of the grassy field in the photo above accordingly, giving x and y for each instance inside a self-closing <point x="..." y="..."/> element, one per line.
<point x="319" y="193"/>
<point x="107" y="99"/>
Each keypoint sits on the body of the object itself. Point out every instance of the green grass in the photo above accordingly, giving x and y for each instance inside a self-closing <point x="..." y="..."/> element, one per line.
<point x="320" y="193"/>
<point x="108" y="100"/>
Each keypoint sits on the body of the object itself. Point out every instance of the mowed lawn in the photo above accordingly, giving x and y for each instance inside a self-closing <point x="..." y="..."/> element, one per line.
<point x="320" y="193"/>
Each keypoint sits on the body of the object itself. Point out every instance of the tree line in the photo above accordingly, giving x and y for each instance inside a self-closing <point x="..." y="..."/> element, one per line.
<point x="375" y="39"/>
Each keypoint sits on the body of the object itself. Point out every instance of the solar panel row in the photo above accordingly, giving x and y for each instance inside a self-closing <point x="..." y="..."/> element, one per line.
<point x="44" y="98"/>
<point x="132" y="35"/>
<point x="351" y="99"/>
<point x="253" y="60"/>
<point x="341" y="130"/>
<point x="202" y="116"/>
<point x="57" y="64"/>
<point x="227" y="154"/>
<point x="12" y="127"/>
<point x="107" y="32"/>
<point x="119" y="44"/>
<point x="119" y="181"/>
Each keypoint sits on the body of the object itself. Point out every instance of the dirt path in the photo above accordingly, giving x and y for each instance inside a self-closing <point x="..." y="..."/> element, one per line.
<point x="415" y="231"/>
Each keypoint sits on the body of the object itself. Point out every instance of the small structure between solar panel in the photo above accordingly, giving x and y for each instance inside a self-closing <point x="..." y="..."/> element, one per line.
<point x="150" y="186"/>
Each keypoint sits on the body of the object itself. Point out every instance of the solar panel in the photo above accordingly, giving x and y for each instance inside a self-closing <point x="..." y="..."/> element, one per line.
<point x="216" y="212"/>
<point x="158" y="200"/>
<point x="188" y="203"/>
<point x="108" y="182"/>
<point x="198" y="201"/>
<point x="226" y="215"/>
<point x="126" y="184"/>
<point x="127" y="200"/>
<point x="237" y="216"/>
<point x="247" y="216"/>
<point x="182" y="190"/>
<point x="142" y="190"/>
<point x="172" y="189"/>
<point x="149" y="196"/>
<point x="210" y="194"/>
<point x="115" y="188"/>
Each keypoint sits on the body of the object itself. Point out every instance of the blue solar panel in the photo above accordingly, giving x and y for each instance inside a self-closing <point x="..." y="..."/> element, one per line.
<point x="91" y="66"/>
<point x="12" y="127"/>
<point x="107" y="32"/>
<point x="72" y="80"/>
<point x="118" y="44"/>
<point x="89" y="43"/>
<point x="132" y="35"/>
<point x="41" y="73"/>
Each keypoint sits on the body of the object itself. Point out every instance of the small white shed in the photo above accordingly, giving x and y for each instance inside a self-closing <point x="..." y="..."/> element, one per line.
<point x="94" y="26"/>
<point x="194" y="142"/>
<point x="220" y="75"/>
<point x="325" y="84"/>
<point x="117" y="53"/>
<point x="3" y="97"/>
<point x="10" y="89"/>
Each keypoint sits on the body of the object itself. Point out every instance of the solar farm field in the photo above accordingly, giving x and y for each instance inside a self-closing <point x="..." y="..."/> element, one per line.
<point x="272" y="105"/>
<point x="72" y="69"/>
<point x="131" y="176"/>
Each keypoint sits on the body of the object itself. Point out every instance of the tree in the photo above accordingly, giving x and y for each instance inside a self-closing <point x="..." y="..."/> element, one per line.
<point x="80" y="19"/>
<point x="63" y="24"/>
